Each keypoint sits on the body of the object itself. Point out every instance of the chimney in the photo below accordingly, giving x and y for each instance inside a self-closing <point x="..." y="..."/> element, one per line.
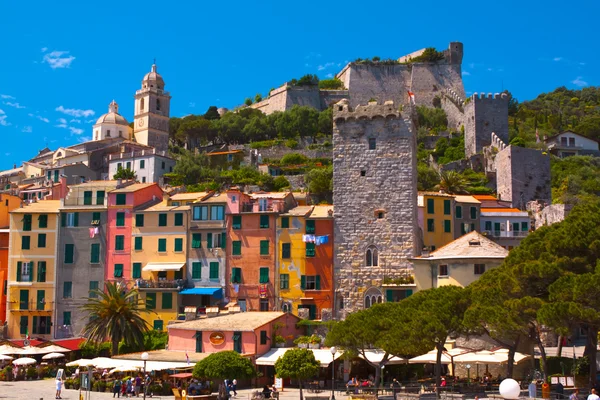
<point x="14" y="166"/>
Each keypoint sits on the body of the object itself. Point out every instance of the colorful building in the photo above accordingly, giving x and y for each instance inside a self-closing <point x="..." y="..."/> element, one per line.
<point x="502" y="223"/>
<point x="436" y="217"/>
<point x="251" y="247"/>
<point x="8" y="203"/>
<point x="467" y="210"/>
<point x="32" y="269"/>
<point x="158" y="245"/>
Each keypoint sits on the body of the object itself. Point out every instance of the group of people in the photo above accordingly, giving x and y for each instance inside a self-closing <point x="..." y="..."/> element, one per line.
<point x="356" y="383"/>
<point x="231" y="387"/>
<point x="131" y="387"/>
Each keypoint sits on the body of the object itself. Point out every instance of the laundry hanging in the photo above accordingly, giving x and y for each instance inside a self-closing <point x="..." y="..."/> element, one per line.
<point x="92" y="233"/>
<point x="308" y="238"/>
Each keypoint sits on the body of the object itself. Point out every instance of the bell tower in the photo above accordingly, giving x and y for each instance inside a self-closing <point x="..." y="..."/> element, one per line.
<point x="152" y="105"/>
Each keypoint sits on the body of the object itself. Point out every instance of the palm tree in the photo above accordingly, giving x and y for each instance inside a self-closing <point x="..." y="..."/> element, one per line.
<point x="452" y="182"/>
<point x="116" y="314"/>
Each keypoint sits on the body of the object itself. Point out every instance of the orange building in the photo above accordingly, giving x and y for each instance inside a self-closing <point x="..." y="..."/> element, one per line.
<point x="7" y="204"/>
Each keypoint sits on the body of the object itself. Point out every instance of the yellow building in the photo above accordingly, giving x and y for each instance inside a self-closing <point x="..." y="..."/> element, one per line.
<point x="32" y="269"/>
<point x="158" y="257"/>
<point x="436" y="218"/>
<point x="458" y="263"/>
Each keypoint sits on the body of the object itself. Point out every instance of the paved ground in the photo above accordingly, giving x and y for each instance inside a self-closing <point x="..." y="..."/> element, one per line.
<point x="45" y="389"/>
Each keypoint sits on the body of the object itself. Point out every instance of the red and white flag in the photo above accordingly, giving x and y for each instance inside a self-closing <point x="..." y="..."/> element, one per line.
<point x="411" y="97"/>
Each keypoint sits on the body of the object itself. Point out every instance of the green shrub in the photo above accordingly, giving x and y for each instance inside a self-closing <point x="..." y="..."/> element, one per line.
<point x="280" y="183"/>
<point x="265" y="144"/>
<point x="331" y="84"/>
<point x="294" y="159"/>
<point x="429" y="55"/>
<point x="291" y="144"/>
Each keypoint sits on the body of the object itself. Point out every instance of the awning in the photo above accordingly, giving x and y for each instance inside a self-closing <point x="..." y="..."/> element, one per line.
<point x="163" y="266"/>
<point x="323" y="356"/>
<point x="376" y="355"/>
<point x="216" y="292"/>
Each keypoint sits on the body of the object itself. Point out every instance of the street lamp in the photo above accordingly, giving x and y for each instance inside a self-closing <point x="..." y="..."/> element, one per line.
<point x="333" y="351"/>
<point x="509" y="389"/>
<point x="382" y="368"/>
<point x="145" y="358"/>
<point x="468" y="373"/>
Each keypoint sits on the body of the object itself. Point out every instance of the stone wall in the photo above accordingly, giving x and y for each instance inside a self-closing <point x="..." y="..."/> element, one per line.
<point x="546" y="216"/>
<point x="522" y="175"/>
<point x="483" y="115"/>
<point x="369" y="184"/>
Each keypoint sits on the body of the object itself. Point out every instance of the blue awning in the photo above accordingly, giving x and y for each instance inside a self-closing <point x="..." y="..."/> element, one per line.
<point x="215" y="292"/>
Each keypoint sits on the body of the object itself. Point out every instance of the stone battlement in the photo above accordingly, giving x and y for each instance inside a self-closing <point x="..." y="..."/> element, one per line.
<point x="342" y="111"/>
<point x="489" y="96"/>
<point x="497" y="142"/>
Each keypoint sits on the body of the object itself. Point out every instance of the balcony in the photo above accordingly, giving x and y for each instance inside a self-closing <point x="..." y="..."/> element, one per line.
<point x="30" y="306"/>
<point x="161" y="285"/>
<point x="506" y="234"/>
<point x="256" y="207"/>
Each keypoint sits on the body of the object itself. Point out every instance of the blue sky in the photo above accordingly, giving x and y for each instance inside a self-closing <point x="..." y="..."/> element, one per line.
<point x="62" y="62"/>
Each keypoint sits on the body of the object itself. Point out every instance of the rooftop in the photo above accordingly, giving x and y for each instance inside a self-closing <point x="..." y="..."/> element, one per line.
<point x="269" y="195"/>
<point x="216" y="198"/>
<point x="501" y="210"/>
<point x="164" y="207"/>
<point x="189" y="196"/>
<point x="96" y="184"/>
<point x="301" y="211"/>
<point x="322" y="212"/>
<point x="466" y="199"/>
<point x="133" y="188"/>
<point x="484" y="197"/>
<point x="42" y="206"/>
<point x="471" y="245"/>
<point x="438" y="194"/>
<point x="242" y="322"/>
<point x="218" y="153"/>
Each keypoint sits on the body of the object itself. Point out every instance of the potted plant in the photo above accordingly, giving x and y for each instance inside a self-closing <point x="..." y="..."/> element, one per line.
<point x="302" y="341"/>
<point x="279" y="341"/>
<point x="314" y="342"/>
<point x="31" y="373"/>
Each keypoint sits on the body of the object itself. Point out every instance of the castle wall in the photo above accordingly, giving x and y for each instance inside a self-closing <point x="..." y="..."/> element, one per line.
<point x="483" y="115"/>
<point x="429" y="80"/>
<point x="522" y="175"/>
<point x="330" y="97"/>
<point x="303" y="96"/>
<point x="381" y="82"/>
<point x="388" y="187"/>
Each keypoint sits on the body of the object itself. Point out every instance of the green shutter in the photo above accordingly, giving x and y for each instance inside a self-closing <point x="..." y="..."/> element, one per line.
<point x="158" y="325"/>
<point x="35" y="324"/>
<point x="285" y="222"/>
<point x="63" y="219"/>
<point x="303" y="282"/>
<point x="223" y="240"/>
<point x="430" y="206"/>
<point x="100" y="197"/>
<point x="264" y="221"/>
<point x="263" y="337"/>
<point x="41" y="272"/>
<point x="209" y="241"/>
<point x="120" y="219"/>
<point x="67" y="318"/>
<point x="179" y="219"/>
<point x="96" y="216"/>
<point x="237" y="222"/>
<point x="139" y="220"/>
<point x="136" y="273"/>
<point x="310" y="249"/>
<point x="236" y="248"/>
<point x="150" y="301"/>
<point x="69" y="253"/>
<point x="121" y="199"/>
<point x="118" y="271"/>
<point x="515" y="226"/>
<point x="76" y="219"/>
<point x="197" y="270"/>
<point x="264" y="247"/>
<point x="196" y="240"/>
<point x="162" y="245"/>
<point x="19" y="270"/>
<point x="142" y="164"/>
<point x="178" y="244"/>
<point x="167" y="301"/>
<point x="447" y="226"/>
<point x="120" y="242"/>
<point x="27" y="222"/>
<point x="162" y="219"/>
<point x="286" y="250"/>
<point x="41" y="240"/>
<point x="87" y="198"/>
<point x="25" y="242"/>
<point x="318" y="282"/>
<point x="138" y="243"/>
<point x="524" y="226"/>
<point x="447" y="206"/>
<point x="458" y="212"/>
<point x="95" y="253"/>
<point x="43" y="221"/>
<point x="264" y="275"/>
<point x="68" y="290"/>
<point x="30" y="271"/>
<point x="214" y="271"/>
<point x="389" y="295"/>
<point x="430" y="225"/>
<point x="284" y="281"/>
<point x="409" y="292"/>
<point x="93" y="288"/>
<point x="488" y="225"/>
<point x="473" y="212"/>
<point x="24" y="299"/>
<point x="236" y="275"/>
<point x="41" y="296"/>
<point x="310" y="226"/>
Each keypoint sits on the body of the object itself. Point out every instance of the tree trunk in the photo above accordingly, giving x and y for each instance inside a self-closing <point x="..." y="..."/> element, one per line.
<point x="438" y="369"/>
<point x="115" y="347"/>
<point x="560" y="346"/>
<point x="511" y="357"/>
<point x="377" y="375"/>
<point x="591" y="350"/>
<point x="300" y="385"/>
<point x="544" y="358"/>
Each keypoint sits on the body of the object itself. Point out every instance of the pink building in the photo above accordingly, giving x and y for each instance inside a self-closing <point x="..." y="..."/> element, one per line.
<point x="249" y="333"/>
<point x="121" y="203"/>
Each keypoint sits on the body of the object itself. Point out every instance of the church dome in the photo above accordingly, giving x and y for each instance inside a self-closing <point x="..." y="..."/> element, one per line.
<point x="153" y="79"/>
<point x="112" y="116"/>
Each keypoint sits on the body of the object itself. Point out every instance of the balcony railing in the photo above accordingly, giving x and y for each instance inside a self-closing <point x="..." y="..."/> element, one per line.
<point x="176" y="284"/>
<point x="507" y="234"/>
<point x="30" y="306"/>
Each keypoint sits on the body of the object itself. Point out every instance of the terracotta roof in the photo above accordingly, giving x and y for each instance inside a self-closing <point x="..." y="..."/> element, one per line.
<point x="243" y="322"/>
<point x="435" y="194"/>
<point x="218" y="198"/>
<point x="321" y="212"/>
<point x="466" y="199"/>
<point x="484" y="197"/>
<point x="218" y="153"/>
<point x="133" y="188"/>
<point x="301" y="211"/>
<point x="42" y="206"/>
<point x="269" y="195"/>
<point x="98" y="184"/>
<point x="501" y="209"/>
<point x="163" y="207"/>
<point x="471" y="245"/>
<point x="19" y="342"/>
<point x="71" y="344"/>
<point x="189" y="196"/>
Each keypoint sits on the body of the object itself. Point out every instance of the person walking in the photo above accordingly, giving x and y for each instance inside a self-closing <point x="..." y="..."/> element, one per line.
<point x="147" y="384"/>
<point x="58" y="387"/>
<point x="117" y="388"/>
<point x="138" y="385"/>
<point x="593" y="395"/>
<point x="574" y="395"/>
<point x="129" y="389"/>
<point x="234" y="387"/>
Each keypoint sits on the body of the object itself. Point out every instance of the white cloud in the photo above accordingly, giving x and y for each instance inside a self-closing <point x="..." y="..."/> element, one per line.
<point x="329" y="75"/>
<point x="89" y="121"/>
<point x="3" y="121"/>
<point x="75" y="131"/>
<point x="26" y="129"/>
<point x="58" y="59"/>
<point x="83" y="139"/>
<point x="490" y="69"/>
<point x="466" y="73"/>
<point x="75" y="121"/>
<point x="75" y="112"/>
<point x="557" y="59"/>
<point x="15" y="105"/>
<point x="325" y="66"/>
<point x="581" y="63"/>
<point x="579" y="82"/>
<point x="62" y="120"/>
<point x="44" y="49"/>
<point x="7" y="154"/>
<point x="46" y="120"/>
<point x="6" y="97"/>
<point x="192" y="104"/>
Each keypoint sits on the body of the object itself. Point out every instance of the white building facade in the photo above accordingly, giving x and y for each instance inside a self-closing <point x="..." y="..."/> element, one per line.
<point x="149" y="165"/>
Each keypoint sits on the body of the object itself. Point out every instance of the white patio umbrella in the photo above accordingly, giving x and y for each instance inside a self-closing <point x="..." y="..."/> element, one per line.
<point x="82" y="362"/>
<point x="478" y="357"/>
<point x="431" y="356"/>
<point x="5" y="357"/>
<point x="24" y="361"/>
<point x="51" y="356"/>
<point x="7" y="349"/>
<point x="124" y="368"/>
<point x="503" y="354"/>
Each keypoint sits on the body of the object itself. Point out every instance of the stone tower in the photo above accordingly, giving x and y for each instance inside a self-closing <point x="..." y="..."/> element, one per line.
<point x="484" y="115"/>
<point x="375" y="197"/>
<point x="152" y="104"/>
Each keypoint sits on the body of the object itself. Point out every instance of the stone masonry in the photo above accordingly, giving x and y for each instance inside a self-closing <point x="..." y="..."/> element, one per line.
<point x="484" y="115"/>
<point x="375" y="193"/>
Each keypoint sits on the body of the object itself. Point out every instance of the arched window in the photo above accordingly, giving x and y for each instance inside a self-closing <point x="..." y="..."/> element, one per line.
<point x="158" y="104"/>
<point x="367" y="302"/>
<point x="373" y="296"/>
<point x="142" y="105"/>
<point x="286" y="308"/>
<point x="372" y="257"/>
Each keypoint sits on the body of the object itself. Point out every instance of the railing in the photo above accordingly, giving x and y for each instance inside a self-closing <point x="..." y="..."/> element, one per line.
<point x="30" y="306"/>
<point x="507" y="234"/>
<point x="177" y="284"/>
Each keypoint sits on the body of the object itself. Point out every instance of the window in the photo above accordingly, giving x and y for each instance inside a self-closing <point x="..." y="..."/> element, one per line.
<point x="141" y="105"/>
<point x="179" y="219"/>
<point x="372" y="143"/>
<point x="217" y="213"/>
<point x="136" y="271"/>
<point x="41" y="271"/>
<point x="100" y="197"/>
<point x="96" y="217"/>
<point x="237" y="222"/>
<point x="143" y="179"/>
<point x="430" y="225"/>
<point x="70" y="219"/>
<point x="41" y="325"/>
<point x="209" y="240"/>
<point x="158" y="324"/>
<point x="95" y="253"/>
<point x="120" y="219"/>
<point x="163" y="165"/>
<point x="447" y="226"/>
<point x="264" y="247"/>
<point x="264" y="305"/>
<point x="139" y="220"/>
<point x="178" y="244"/>
<point x="41" y="300"/>
<point x="121" y="199"/>
<point x="162" y="245"/>
<point x="67" y="318"/>
<point x="24" y="271"/>
<point x="138" y="243"/>
<point x="264" y="275"/>
<point x="23" y="324"/>
<point x="69" y="253"/>
<point x="286" y="250"/>
<point x="142" y="164"/>
<point x="162" y="219"/>
<point x="263" y="204"/>
<point x="372" y="257"/>
<point x="237" y="342"/>
<point x="150" y="301"/>
<point x="41" y="240"/>
<point x="284" y="281"/>
<point x="118" y="271"/>
<point x="285" y="222"/>
<point x="443" y="270"/>
<point x="524" y="226"/>
<point x="87" y="198"/>
<point x="236" y="247"/>
<point x="264" y="221"/>
<point x="129" y="165"/>
<point x="68" y="290"/>
<point x="200" y="213"/>
<point x="25" y="242"/>
<point x="479" y="269"/>
<point x="213" y="271"/>
<point x="263" y="337"/>
<point x="310" y="249"/>
<point x="310" y="226"/>
<point x="447" y="206"/>
<point x="311" y="282"/>
<point x="196" y="270"/>
<point x="196" y="240"/>
<point x="363" y="173"/>
<point x="473" y="212"/>
<point x="167" y="301"/>
<point x="93" y="288"/>
<point x="488" y="225"/>
<point x="43" y="221"/>
<point x="119" y="166"/>
<point x="458" y="212"/>
<point x="27" y="222"/>
<point x="119" y="242"/>
<point x="23" y="299"/>
<point x="430" y="206"/>
<point x="236" y="275"/>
